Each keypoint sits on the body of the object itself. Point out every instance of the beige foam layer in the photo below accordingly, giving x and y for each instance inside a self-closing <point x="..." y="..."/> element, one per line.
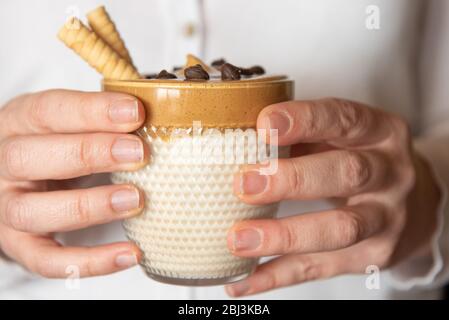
<point x="96" y="52"/>
<point x="216" y="104"/>
<point x="102" y="24"/>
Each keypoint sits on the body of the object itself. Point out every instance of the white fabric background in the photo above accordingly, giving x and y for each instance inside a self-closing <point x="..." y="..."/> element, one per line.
<point x="323" y="44"/>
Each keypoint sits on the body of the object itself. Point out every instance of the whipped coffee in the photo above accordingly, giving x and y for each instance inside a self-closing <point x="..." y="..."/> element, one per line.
<point x="216" y="103"/>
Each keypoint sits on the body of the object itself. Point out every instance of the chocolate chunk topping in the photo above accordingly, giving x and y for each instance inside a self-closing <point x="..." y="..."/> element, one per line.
<point x="230" y="72"/>
<point x="164" y="74"/>
<point x="246" y="72"/>
<point x="217" y="64"/>
<point x="256" y="70"/>
<point x="196" y="73"/>
<point x="150" y="76"/>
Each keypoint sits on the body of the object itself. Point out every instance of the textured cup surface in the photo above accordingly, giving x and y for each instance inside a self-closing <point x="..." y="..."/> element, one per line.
<point x="190" y="205"/>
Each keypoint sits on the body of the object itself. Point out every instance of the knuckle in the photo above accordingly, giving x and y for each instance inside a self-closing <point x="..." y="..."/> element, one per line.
<point x="43" y="265"/>
<point x="270" y="280"/>
<point x="84" y="101"/>
<point x="289" y="238"/>
<point x="400" y="127"/>
<point x="356" y="171"/>
<point x="350" y="117"/>
<point x="400" y="221"/>
<point x="87" y="265"/>
<point x="386" y="255"/>
<point x="14" y="158"/>
<point x="295" y="178"/>
<point x="307" y="270"/>
<point x="310" y="120"/>
<point x="84" y="105"/>
<point x="86" y="154"/>
<point x="38" y="110"/>
<point x="386" y="260"/>
<point x="347" y="227"/>
<point x="400" y="145"/>
<point x="17" y="214"/>
<point x="82" y="211"/>
<point x="407" y="176"/>
<point x="409" y="179"/>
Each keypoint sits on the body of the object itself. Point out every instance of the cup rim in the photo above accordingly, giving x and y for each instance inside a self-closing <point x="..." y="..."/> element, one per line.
<point x="210" y="84"/>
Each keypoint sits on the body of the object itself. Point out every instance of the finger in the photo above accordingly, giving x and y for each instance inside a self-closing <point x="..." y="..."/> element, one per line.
<point x="63" y="111"/>
<point x="366" y="257"/>
<point x="61" y="211"/>
<point x="335" y="121"/>
<point x="337" y="173"/>
<point x="42" y="157"/>
<point x="304" y="149"/>
<point x="46" y="257"/>
<point x="307" y="233"/>
<point x="285" y="271"/>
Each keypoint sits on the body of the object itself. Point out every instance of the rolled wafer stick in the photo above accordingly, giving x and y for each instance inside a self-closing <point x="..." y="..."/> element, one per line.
<point x="102" y="24"/>
<point x="96" y="51"/>
<point x="193" y="61"/>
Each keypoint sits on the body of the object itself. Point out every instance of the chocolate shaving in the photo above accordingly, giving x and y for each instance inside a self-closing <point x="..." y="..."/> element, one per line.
<point x="150" y="76"/>
<point x="164" y="74"/>
<point x="230" y="72"/>
<point x="246" y="72"/>
<point x="196" y="73"/>
<point x="217" y="64"/>
<point x="256" y="70"/>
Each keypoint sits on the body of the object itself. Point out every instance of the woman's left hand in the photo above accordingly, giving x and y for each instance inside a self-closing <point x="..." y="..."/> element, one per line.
<point x="345" y="150"/>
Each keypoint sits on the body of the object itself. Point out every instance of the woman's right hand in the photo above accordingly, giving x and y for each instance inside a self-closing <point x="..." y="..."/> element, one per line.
<point x="52" y="136"/>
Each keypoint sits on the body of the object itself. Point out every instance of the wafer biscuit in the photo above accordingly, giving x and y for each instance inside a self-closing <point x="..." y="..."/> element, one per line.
<point x="96" y="51"/>
<point x="102" y="24"/>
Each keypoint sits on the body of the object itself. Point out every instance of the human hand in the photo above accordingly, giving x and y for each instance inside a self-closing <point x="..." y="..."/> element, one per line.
<point x="46" y="138"/>
<point x="345" y="150"/>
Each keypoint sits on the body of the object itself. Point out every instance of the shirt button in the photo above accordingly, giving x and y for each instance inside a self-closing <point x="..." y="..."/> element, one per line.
<point x="189" y="30"/>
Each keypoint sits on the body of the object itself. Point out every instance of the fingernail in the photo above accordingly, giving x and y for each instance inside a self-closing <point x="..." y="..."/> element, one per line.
<point x="252" y="183"/>
<point x="126" y="260"/>
<point x="239" y="288"/>
<point x="281" y="121"/>
<point x="128" y="150"/>
<point x="124" y="111"/>
<point x="246" y="239"/>
<point x="125" y="200"/>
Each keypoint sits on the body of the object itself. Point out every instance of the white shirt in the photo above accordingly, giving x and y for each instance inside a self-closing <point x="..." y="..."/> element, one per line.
<point x="328" y="47"/>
